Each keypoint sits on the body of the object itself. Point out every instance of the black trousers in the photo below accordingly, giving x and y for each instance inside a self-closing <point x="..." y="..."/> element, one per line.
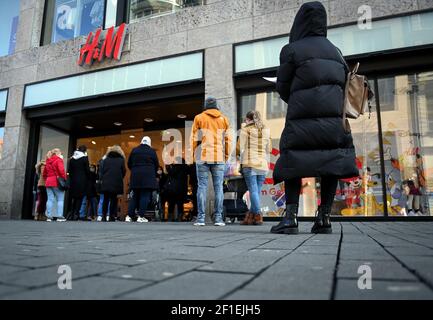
<point x="110" y="198"/>
<point x="76" y="206"/>
<point x="327" y="191"/>
<point x="172" y="202"/>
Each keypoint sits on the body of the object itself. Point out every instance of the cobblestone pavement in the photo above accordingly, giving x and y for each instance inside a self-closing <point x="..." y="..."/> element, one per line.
<point x="179" y="261"/>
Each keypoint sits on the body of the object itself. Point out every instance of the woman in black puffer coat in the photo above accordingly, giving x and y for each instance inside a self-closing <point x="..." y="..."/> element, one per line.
<point x="311" y="79"/>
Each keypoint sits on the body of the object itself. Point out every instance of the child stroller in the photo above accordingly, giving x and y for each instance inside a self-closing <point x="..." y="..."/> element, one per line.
<point x="154" y="210"/>
<point x="234" y="206"/>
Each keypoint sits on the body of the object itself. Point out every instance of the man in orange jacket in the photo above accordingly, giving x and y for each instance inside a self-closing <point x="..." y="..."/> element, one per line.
<point x="211" y="144"/>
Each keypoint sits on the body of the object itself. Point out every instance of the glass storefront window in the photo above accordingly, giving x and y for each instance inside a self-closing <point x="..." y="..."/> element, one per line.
<point x="408" y="143"/>
<point x="2" y="134"/>
<point x="147" y="74"/>
<point x="111" y="14"/>
<point x="67" y="19"/>
<point x="9" y="15"/>
<point x="3" y="100"/>
<point x="363" y="195"/>
<point x="148" y="8"/>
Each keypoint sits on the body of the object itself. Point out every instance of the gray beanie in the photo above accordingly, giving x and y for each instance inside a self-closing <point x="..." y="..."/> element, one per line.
<point x="210" y="103"/>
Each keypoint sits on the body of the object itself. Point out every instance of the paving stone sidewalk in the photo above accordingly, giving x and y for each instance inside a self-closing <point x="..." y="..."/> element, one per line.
<point x="179" y="261"/>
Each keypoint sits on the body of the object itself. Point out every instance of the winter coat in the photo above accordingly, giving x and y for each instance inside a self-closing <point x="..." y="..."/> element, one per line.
<point x="40" y="167"/>
<point x="54" y="168"/>
<point x="254" y="148"/>
<point x="311" y="79"/>
<point x="143" y="163"/>
<point x="211" y="131"/>
<point x="91" y="185"/>
<point x="177" y="180"/>
<point x="79" y="173"/>
<point x="112" y="172"/>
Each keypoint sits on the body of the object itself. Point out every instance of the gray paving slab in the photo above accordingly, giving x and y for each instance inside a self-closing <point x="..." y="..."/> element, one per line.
<point x="381" y="270"/>
<point x="155" y="271"/>
<point x="192" y="286"/>
<point x="49" y="275"/>
<point x="252" y="261"/>
<point x="83" y="289"/>
<point x="383" y="290"/>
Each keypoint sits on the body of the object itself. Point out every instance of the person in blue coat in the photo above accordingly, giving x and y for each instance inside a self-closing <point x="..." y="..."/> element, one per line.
<point x="143" y="163"/>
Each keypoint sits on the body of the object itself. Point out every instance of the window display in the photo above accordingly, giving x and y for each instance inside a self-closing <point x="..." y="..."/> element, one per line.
<point x="405" y="188"/>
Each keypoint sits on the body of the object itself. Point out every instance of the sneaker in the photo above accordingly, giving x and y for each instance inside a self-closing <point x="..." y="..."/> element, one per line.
<point x="411" y="213"/>
<point x="128" y="219"/>
<point x="199" y="224"/>
<point x="99" y="219"/>
<point x="219" y="224"/>
<point x="107" y="218"/>
<point x="61" y="219"/>
<point x="142" y="220"/>
<point x="48" y="220"/>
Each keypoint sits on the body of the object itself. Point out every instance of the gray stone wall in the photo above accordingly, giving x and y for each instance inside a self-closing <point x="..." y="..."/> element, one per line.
<point x="213" y="28"/>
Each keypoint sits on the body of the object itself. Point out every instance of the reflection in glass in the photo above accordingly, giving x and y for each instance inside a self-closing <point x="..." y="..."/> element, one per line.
<point x="73" y="18"/>
<point x="110" y="16"/>
<point x="2" y="133"/>
<point x="146" y="8"/>
<point x="408" y="144"/>
<point x="9" y="15"/>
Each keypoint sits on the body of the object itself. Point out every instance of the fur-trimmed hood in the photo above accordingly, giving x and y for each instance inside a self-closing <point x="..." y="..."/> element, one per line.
<point x="115" y="152"/>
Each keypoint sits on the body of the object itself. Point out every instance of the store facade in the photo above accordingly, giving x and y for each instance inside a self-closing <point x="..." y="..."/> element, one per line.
<point x="174" y="53"/>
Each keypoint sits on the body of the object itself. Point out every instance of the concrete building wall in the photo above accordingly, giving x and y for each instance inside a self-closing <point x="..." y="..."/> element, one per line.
<point x="214" y="27"/>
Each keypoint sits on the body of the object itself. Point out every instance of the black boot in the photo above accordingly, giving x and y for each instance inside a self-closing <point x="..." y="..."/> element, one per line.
<point x="289" y="224"/>
<point x="322" y="225"/>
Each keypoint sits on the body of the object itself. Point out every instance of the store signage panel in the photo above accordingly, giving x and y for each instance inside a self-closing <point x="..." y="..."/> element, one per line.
<point x="3" y="100"/>
<point x="387" y="34"/>
<point x="101" y="45"/>
<point x="154" y="73"/>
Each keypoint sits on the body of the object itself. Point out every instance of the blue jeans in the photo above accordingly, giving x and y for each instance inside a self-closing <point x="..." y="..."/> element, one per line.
<point x="217" y="171"/>
<point x="101" y="201"/>
<point x="254" y="180"/>
<point x="140" y="200"/>
<point x="83" y="207"/>
<point x="55" y="196"/>
<point x="93" y="207"/>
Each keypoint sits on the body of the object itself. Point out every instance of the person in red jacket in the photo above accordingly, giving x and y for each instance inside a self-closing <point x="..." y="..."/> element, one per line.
<point x="54" y="168"/>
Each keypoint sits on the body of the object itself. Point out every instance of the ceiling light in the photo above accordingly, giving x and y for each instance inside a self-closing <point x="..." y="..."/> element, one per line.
<point x="148" y="120"/>
<point x="93" y="142"/>
<point x="132" y="136"/>
<point x="181" y="116"/>
<point x="89" y="127"/>
<point x="118" y="124"/>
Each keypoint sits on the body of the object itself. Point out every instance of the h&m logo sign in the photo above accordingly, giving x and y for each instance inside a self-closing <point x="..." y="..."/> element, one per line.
<point x="101" y="45"/>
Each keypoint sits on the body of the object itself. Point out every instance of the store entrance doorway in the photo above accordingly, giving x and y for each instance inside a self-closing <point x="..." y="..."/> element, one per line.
<point x="124" y="126"/>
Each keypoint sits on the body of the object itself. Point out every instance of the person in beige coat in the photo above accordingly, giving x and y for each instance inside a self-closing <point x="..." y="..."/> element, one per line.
<point x="254" y="148"/>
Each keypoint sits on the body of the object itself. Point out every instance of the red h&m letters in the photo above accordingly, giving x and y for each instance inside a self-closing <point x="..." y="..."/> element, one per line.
<point x="111" y="46"/>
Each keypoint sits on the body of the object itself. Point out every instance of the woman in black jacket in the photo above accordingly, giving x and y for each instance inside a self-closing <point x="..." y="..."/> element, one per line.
<point x="143" y="163"/>
<point x="79" y="174"/>
<point x="311" y="79"/>
<point x="112" y="172"/>
<point x="176" y="188"/>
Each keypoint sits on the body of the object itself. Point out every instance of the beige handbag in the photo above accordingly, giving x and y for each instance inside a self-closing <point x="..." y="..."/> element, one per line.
<point x="357" y="97"/>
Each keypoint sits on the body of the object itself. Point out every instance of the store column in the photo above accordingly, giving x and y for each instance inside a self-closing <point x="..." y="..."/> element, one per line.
<point x="219" y="84"/>
<point x="21" y="69"/>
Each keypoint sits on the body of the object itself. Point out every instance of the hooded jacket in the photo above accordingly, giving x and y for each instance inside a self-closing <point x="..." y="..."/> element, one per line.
<point x="40" y="167"/>
<point x="211" y="138"/>
<point x="79" y="174"/>
<point x="112" y="171"/>
<point x="54" y="168"/>
<point x="311" y="80"/>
